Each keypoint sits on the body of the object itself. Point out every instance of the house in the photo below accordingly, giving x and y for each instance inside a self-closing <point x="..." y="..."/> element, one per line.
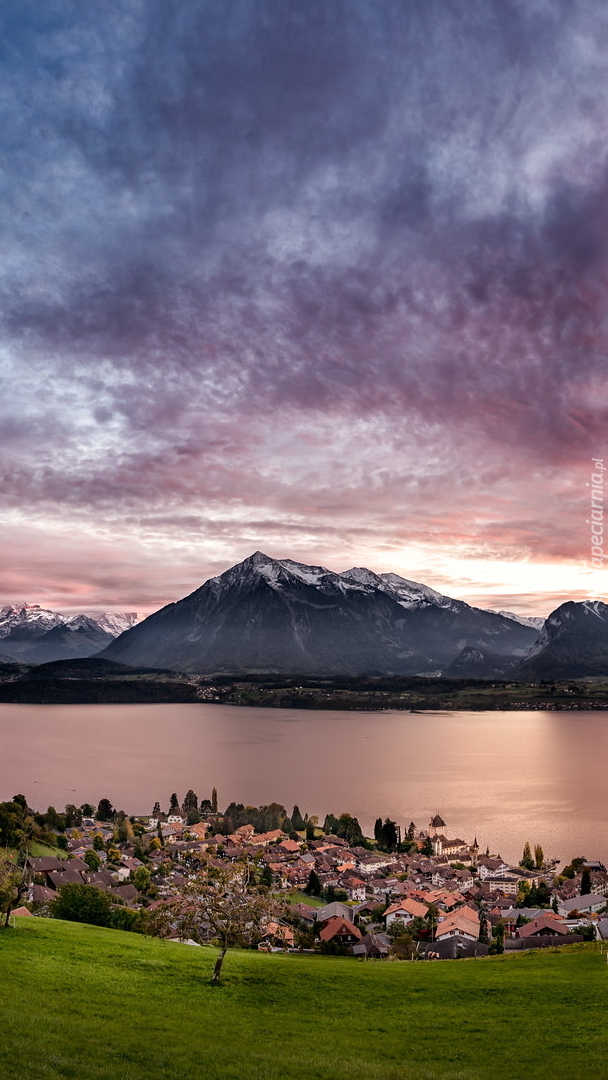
<point x="406" y="911"/>
<point x="463" y="923"/>
<point x="582" y="905"/>
<point x="548" y="924"/>
<point x="278" y="936"/>
<point x="454" y="948"/>
<point x="304" y="912"/>
<point x="333" y="910"/>
<point x="341" y="931"/>
<point x="44" y="865"/>
<point x="373" y="946"/>
<point x="55" y="880"/>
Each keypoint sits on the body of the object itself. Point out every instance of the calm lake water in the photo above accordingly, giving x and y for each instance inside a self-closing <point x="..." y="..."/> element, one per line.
<point x="505" y="776"/>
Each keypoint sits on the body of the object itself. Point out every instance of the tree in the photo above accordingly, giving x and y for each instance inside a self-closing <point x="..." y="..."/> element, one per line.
<point x="123" y="832"/>
<point x="83" y="903"/>
<point x="526" y="860"/>
<point x="98" y="844"/>
<point x="539" y="857"/>
<point x="484" y="933"/>
<point x="297" y="820"/>
<point x="349" y="829"/>
<point x="190" y="802"/>
<point x="266" y="876"/>
<point x="73" y="816"/>
<point x="156" y="811"/>
<point x="174" y="804"/>
<point x="498" y="944"/>
<point x="310" y="830"/>
<point x="585" y="882"/>
<point x="92" y="860"/>
<point x="105" y="810"/>
<point x="142" y="879"/>
<point x="427" y="847"/>
<point x="313" y="885"/>
<point x="227" y="902"/>
<point x="13" y="885"/>
<point x="386" y="834"/>
<point x="214" y="801"/>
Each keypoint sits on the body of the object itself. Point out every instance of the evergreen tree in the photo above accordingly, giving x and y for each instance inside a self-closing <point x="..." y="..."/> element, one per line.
<point x="156" y="810"/>
<point x="190" y="802"/>
<point x="310" y="830"/>
<point x="484" y="935"/>
<point x="499" y="937"/>
<point x="297" y="820"/>
<point x="411" y="832"/>
<point x="387" y="835"/>
<point x="214" y="801"/>
<point x="526" y="861"/>
<point x="539" y="857"/>
<point x="543" y="894"/>
<point x="377" y="829"/>
<point x="313" y="885"/>
<point x="585" y="882"/>
<point x="266" y="876"/>
<point x="174" y="804"/>
<point x="105" y="810"/>
<point x="555" y="904"/>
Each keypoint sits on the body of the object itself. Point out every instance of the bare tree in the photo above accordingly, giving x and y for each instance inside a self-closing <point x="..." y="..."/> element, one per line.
<point x="13" y="885"/>
<point x="221" y="905"/>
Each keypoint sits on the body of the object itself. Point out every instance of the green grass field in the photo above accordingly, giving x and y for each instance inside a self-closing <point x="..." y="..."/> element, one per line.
<point x="96" y="1004"/>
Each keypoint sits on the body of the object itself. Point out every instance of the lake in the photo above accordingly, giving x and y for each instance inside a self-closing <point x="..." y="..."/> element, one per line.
<point x="506" y="777"/>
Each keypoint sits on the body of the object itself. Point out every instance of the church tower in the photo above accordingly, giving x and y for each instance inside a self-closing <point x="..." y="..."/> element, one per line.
<point x="436" y="825"/>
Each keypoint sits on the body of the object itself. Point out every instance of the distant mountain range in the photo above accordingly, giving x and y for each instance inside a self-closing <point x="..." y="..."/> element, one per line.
<point x="272" y="616"/>
<point x="267" y="615"/>
<point x="32" y="634"/>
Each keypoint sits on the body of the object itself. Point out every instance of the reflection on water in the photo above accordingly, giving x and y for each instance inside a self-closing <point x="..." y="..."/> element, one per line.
<point x="505" y="776"/>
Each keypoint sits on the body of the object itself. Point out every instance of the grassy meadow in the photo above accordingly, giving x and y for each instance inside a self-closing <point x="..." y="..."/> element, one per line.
<point x="95" y="1004"/>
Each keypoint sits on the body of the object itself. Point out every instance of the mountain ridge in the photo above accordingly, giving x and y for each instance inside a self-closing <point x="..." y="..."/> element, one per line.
<point x="271" y="615"/>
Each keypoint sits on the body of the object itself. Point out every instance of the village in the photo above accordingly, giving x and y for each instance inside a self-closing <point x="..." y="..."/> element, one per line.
<point x="430" y="896"/>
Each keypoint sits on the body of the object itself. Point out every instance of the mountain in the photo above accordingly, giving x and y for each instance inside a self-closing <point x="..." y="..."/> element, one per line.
<point x="573" y="644"/>
<point x="270" y="615"/>
<point x="32" y="634"/>
<point x="535" y="621"/>
<point x="474" y="663"/>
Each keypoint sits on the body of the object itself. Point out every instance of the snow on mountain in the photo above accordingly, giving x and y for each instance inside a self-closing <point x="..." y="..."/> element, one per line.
<point x="27" y="617"/>
<point x="34" y="620"/>
<point x="535" y="621"/>
<point x="115" y="622"/>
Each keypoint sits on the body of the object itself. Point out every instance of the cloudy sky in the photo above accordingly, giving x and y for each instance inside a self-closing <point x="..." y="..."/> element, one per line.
<point x="326" y="278"/>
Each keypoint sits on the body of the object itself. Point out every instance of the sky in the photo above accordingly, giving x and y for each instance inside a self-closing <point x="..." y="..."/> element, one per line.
<point x="324" y="278"/>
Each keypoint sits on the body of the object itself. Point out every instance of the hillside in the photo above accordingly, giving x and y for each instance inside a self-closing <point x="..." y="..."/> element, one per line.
<point x="97" y="1004"/>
